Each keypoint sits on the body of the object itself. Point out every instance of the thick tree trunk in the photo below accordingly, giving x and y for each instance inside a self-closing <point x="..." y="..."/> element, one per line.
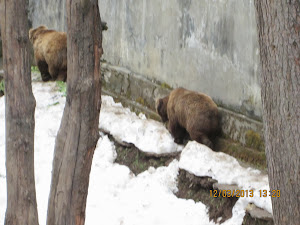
<point x="78" y="133"/>
<point x="279" y="36"/>
<point x="19" y="114"/>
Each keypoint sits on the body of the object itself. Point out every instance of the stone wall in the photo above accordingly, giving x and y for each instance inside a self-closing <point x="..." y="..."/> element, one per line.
<point x="51" y="13"/>
<point x="203" y="45"/>
<point x="139" y="93"/>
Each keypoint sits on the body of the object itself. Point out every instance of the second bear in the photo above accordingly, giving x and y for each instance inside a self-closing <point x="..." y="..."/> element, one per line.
<point x="50" y="52"/>
<point x="192" y="112"/>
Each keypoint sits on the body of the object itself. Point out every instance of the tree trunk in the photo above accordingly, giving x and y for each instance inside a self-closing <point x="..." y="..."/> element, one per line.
<point x="19" y="114"/>
<point x="279" y="31"/>
<point x="78" y="134"/>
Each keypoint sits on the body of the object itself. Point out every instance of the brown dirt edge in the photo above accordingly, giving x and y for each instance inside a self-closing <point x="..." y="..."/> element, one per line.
<point x="137" y="160"/>
<point x="198" y="189"/>
<point x="244" y="155"/>
<point x="219" y="208"/>
<point x="189" y="185"/>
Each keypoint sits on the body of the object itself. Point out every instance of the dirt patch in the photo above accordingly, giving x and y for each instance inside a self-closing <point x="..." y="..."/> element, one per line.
<point x="138" y="161"/>
<point x="219" y="208"/>
<point x="198" y="189"/>
<point x="254" y="140"/>
<point x="251" y="157"/>
<point x="189" y="186"/>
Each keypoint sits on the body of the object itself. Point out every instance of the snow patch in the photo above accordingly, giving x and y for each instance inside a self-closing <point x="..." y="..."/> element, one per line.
<point x="116" y="196"/>
<point x="200" y="160"/>
<point x="146" y="134"/>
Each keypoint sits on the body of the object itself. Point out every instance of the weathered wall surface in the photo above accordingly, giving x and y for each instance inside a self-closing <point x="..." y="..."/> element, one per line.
<point x="51" y="13"/>
<point x="209" y="46"/>
<point x="203" y="45"/>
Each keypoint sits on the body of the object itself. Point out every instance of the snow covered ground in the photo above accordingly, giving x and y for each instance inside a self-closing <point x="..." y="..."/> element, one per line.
<point x="116" y="195"/>
<point x="147" y="135"/>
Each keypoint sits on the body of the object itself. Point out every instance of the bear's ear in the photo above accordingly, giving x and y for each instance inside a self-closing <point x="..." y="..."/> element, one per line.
<point x="161" y="108"/>
<point x="32" y="35"/>
<point x="43" y="27"/>
<point x="34" y="32"/>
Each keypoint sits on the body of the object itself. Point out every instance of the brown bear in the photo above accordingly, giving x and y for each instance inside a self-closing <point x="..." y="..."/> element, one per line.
<point x="191" y="112"/>
<point x="50" y="52"/>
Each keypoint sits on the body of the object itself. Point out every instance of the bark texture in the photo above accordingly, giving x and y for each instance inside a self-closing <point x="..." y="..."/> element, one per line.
<point x="78" y="134"/>
<point x="19" y="114"/>
<point x="279" y="36"/>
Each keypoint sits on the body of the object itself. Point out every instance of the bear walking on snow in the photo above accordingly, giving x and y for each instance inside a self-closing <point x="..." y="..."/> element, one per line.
<point x="189" y="111"/>
<point x="50" y="52"/>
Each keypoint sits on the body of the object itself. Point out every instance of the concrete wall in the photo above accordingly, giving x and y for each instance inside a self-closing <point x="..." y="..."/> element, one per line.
<point x="203" y="45"/>
<point x="51" y="13"/>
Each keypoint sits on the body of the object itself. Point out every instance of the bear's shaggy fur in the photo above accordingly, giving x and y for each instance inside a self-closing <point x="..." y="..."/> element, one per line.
<point x="189" y="111"/>
<point x="50" y="52"/>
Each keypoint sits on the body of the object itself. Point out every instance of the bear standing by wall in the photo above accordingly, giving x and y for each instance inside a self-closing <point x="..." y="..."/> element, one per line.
<point x="189" y="111"/>
<point x="50" y="52"/>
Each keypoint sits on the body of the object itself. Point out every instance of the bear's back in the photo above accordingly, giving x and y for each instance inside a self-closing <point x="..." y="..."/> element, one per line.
<point x="193" y="109"/>
<point x="191" y="100"/>
<point x="52" y="38"/>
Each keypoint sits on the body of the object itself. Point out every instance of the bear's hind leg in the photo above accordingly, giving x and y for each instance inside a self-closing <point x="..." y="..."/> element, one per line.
<point x="43" y="68"/>
<point x="53" y="72"/>
<point x="202" y="138"/>
<point x="62" y="75"/>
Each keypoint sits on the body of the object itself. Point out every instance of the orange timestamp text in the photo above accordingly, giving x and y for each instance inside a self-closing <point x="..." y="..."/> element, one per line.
<point x="244" y="193"/>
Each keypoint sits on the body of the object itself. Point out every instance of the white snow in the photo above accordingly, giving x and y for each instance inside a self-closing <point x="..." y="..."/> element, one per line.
<point x="116" y="196"/>
<point x="200" y="160"/>
<point x="148" y="135"/>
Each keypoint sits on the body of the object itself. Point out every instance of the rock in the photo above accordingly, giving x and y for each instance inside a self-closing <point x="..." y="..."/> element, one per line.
<point x="258" y="213"/>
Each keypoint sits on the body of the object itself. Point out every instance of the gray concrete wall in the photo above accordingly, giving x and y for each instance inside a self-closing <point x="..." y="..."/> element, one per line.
<point x="209" y="46"/>
<point x="203" y="45"/>
<point x="139" y="94"/>
<point x="51" y="13"/>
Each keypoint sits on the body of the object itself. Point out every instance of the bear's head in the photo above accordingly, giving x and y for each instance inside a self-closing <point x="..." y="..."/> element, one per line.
<point x="161" y="108"/>
<point x="33" y="33"/>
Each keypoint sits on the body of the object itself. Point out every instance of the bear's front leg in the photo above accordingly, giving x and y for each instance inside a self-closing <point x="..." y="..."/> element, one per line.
<point x="176" y="131"/>
<point x="43" y="68"/>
